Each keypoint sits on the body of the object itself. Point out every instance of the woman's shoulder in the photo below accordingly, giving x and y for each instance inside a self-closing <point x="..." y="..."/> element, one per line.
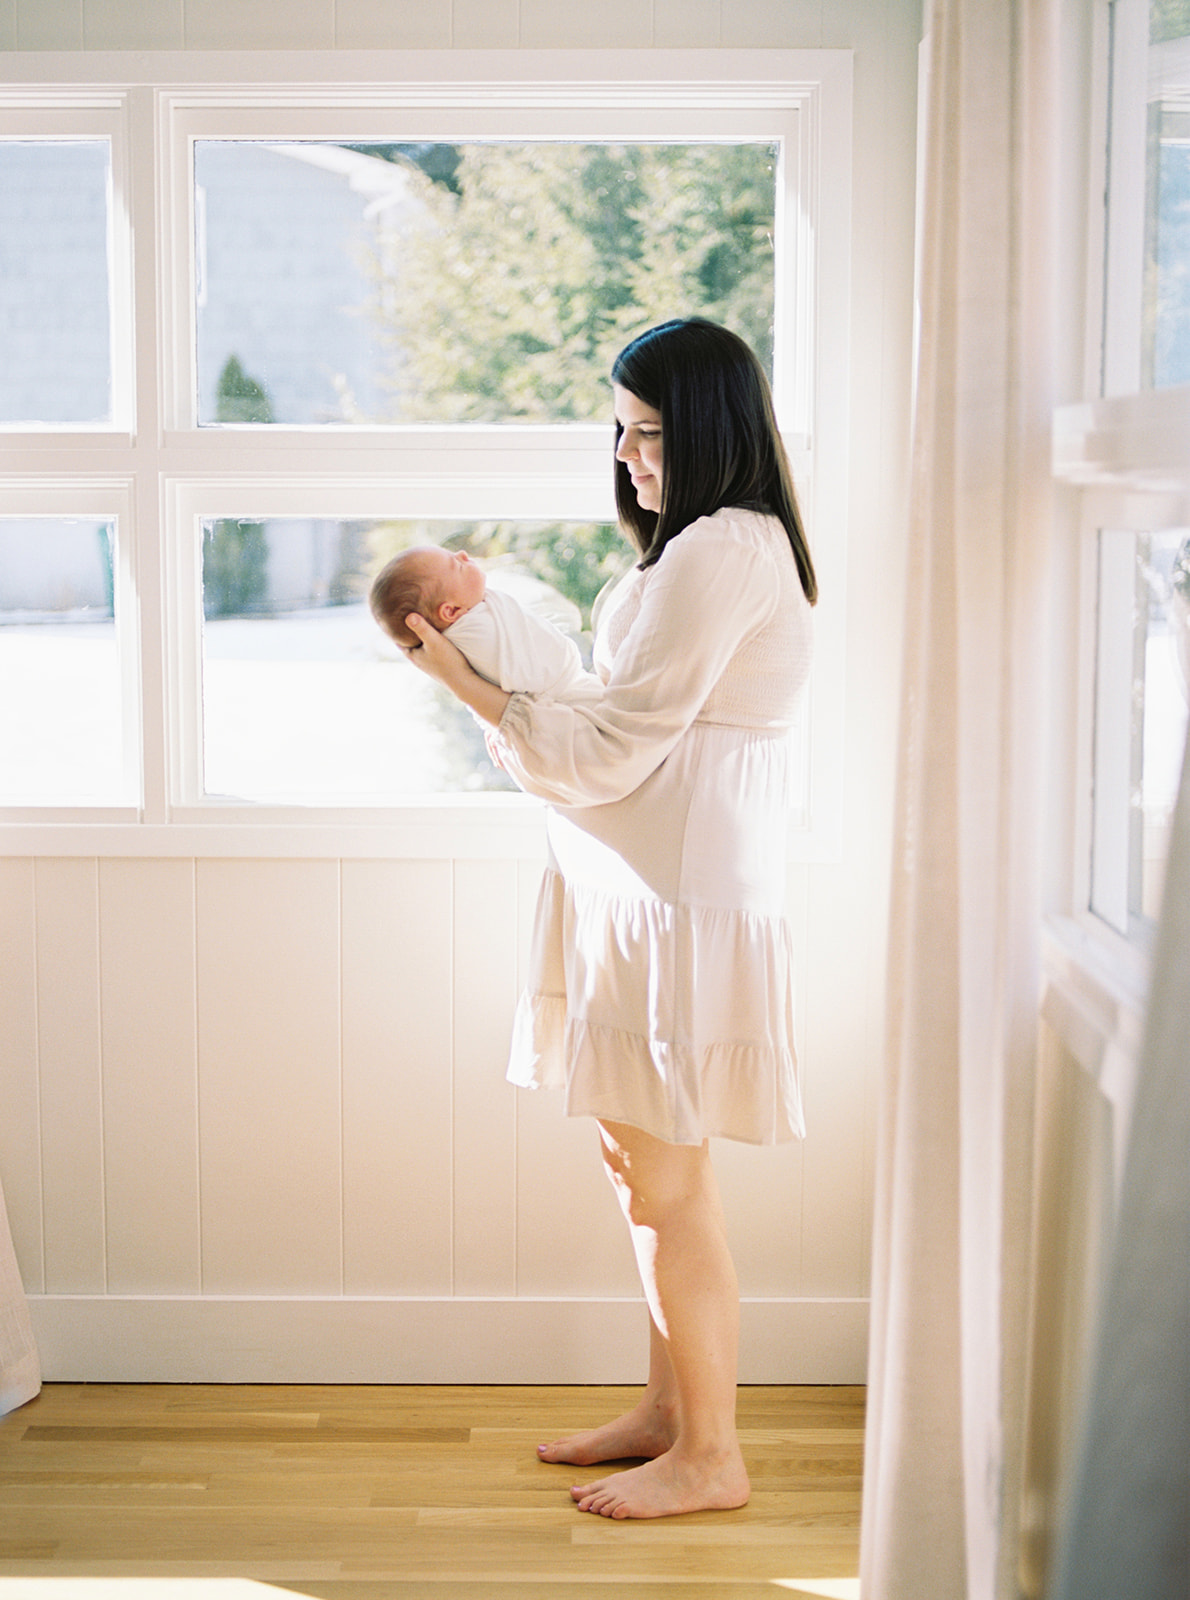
<point x="733" y="527"/>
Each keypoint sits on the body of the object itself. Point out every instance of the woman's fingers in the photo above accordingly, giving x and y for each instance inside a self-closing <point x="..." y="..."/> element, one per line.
<point x="417" y="625"/>
<point x="435" y="655"/>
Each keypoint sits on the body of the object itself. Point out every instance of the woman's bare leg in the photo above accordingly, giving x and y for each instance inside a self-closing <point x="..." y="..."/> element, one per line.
<point x="647" y="1430"/>
<point x="671" y="1200"/>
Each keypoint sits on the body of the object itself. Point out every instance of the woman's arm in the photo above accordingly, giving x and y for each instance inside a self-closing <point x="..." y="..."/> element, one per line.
<point x="447" y="665"/>
<point x="713" y="587"/>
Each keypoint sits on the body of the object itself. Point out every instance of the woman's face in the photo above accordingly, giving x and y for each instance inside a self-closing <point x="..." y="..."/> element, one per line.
<point x="640" y="446"/>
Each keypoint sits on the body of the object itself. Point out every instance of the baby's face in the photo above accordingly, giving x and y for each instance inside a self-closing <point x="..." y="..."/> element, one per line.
<point x="461" y="583"/>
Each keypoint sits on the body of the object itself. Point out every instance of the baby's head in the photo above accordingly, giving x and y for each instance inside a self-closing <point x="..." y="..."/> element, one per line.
<point x="440" y="585"/>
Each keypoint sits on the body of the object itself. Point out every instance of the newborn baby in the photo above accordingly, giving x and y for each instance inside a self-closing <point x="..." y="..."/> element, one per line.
<point x="503" y="640"/>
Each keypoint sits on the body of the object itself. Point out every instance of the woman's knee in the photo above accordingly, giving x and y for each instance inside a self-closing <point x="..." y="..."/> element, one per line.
<point x="651" y="1177"/>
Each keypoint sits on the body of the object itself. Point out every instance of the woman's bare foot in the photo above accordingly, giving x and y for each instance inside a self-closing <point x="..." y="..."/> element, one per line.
<point x="648" y="1430"/>
<point x="668" y="1486"/>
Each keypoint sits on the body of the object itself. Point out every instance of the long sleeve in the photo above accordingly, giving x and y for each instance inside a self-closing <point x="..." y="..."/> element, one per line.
<point x="713" y="588"/>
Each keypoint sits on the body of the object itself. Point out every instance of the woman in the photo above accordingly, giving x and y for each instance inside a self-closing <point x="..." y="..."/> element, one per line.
<point x="660" y="988"/>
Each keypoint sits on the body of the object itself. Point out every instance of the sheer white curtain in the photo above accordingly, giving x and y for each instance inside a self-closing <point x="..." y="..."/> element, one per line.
<point x="20" y="1373"/>
<point x="950" y="1274"/>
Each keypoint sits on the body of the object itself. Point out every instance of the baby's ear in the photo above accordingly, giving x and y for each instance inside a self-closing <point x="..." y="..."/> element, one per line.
<point x="449" y="612"/>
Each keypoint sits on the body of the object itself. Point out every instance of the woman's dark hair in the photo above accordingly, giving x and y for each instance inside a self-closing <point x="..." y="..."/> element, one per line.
<point x="720" y="444"/>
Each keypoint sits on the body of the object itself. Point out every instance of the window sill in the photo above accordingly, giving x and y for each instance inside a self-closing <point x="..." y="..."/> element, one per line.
<point x="454" y="828"/>
<point x="1094" y="998"/>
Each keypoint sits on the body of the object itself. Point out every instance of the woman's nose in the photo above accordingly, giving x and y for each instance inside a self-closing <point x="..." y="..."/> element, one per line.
<point x="622" y="450"/>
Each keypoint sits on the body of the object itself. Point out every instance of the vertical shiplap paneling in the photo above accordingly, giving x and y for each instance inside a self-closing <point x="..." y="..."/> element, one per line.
<point x="259" y="24"/>
<point x="560" y="1178"/>
<point x="485" y="991"/>
<point x="20" y="1129"/>
<point x="380" y="25"/>
<point x="150" y="1108"/>
<point x="397" y="1100"/>
<point x="603" y="25"/>
<point x="571" y="1236"/>
<point x="773" y="24"/>
<point x="687" y="24"/>
<point x="49" y="24"/>
<point x="485" y="24"/>
<point x="71" y="1085"/>
<point x="841" y="986"/>
<point x="133" y="25"/>
<point x="762" y="1199"/>
<point x="268" y="1062"/>
<point x="762" y="1189"/>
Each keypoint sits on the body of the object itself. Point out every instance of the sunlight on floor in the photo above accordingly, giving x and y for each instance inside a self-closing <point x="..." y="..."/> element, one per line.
<point x="827" y="1588"/>
<point x="248" y="1589"/>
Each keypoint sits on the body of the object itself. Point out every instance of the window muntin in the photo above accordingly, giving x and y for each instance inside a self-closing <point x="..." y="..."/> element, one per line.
<point x="61" y="684"/>
<point x="55" y="282"/>
<point x="480" y="281"/>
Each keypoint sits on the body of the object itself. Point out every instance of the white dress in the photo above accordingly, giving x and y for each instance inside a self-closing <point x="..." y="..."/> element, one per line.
<point x="660" y="990"/>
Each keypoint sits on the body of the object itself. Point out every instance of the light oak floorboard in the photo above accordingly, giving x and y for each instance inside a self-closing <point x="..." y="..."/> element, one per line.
<point x="415" y="1493"/>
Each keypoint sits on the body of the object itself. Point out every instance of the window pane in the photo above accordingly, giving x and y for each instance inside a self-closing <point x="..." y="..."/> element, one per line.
<point x="306" y="701"/>
<point x="1165" y="356"/>
<point x="477" y="283"/>
<point x="55" y="316"/>
<point x="60" y="696"/>
<point x="1141" y="715"/>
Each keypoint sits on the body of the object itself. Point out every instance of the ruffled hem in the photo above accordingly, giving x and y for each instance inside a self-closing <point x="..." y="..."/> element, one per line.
<point x="742" y="1091"/>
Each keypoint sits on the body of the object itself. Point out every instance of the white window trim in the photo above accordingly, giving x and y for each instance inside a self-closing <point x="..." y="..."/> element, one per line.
<point x="1124" y="456"/>
<point x="153" y="107"/>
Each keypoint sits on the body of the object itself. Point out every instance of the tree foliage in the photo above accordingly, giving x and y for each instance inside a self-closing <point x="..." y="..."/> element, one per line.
<point x="507" y="291"/>
<point x="239" y="398"/>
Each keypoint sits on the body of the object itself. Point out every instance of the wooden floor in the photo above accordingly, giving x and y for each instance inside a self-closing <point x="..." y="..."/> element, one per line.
<point x="360" y="1493"/>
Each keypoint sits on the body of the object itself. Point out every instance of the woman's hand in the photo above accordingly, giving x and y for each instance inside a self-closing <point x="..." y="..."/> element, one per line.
<point x="435" y="656"/>
<point x="447" y="665"/>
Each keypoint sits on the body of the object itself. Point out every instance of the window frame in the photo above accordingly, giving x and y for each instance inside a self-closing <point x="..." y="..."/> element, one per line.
<point x="1121" y="457"/>
<point x="174" y="473"/>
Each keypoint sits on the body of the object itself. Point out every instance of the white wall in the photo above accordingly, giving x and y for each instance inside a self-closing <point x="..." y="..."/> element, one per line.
<point x="254" y="1120"/>
<point x="452" y="24"/>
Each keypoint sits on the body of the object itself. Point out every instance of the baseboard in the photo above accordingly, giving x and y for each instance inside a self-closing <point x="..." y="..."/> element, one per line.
<point x="124" y="1339"/>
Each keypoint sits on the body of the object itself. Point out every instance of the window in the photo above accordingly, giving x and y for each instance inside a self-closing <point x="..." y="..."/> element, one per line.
<point x="470" y="282"/>
<point x="61" y="714"/>
<point x="1130" y="450"/>
<point x="377" y="313"/>
<point x="1165" y="324"/>
<point x="300" y="697"/>
<point x="55" y="289"/>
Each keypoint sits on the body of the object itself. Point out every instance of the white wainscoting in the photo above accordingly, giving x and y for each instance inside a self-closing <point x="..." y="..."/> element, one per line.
<point x="254" y="1126"/>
